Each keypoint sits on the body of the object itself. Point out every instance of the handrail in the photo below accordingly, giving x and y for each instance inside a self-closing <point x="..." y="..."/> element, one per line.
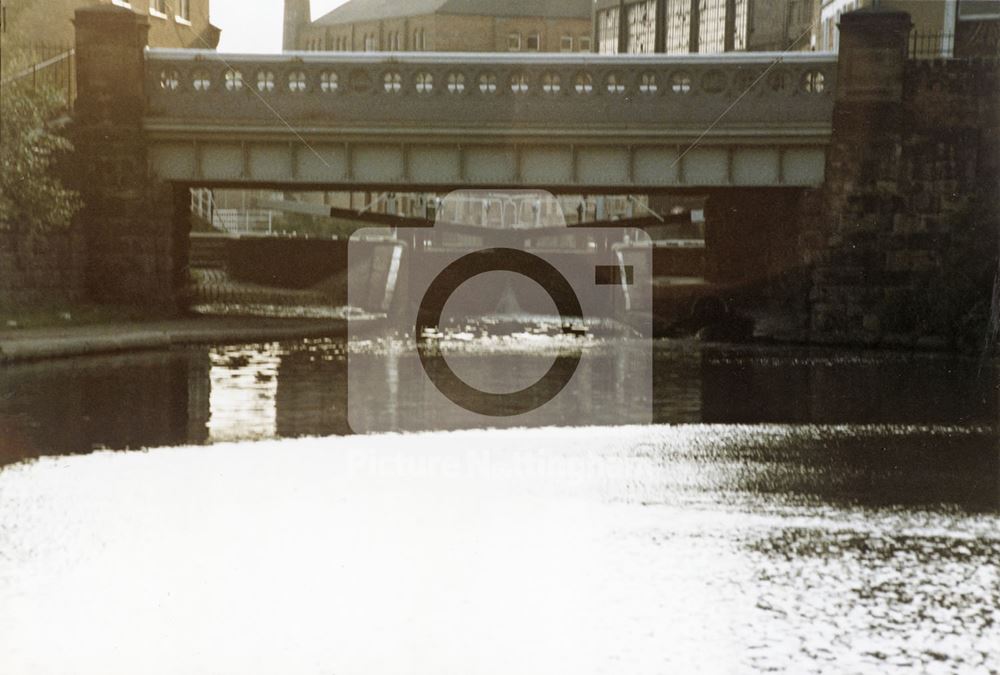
<point x="498" y="58"/>
<point x="35" y="68"/>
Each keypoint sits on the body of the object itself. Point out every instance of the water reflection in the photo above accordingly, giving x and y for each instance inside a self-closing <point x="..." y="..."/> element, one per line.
<point x="300" y="389"/>
<point x="243" y="389"/>
<point x="134" y="401"/>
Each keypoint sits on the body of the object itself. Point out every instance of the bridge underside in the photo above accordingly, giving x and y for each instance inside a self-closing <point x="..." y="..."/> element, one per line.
<point x="559" y="165"/>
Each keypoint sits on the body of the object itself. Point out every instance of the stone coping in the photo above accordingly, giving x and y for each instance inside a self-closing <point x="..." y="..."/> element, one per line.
<point x="55" y="343"/>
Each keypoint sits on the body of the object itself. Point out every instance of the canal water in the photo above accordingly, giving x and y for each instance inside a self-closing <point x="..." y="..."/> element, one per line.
<point x="802" y="511"/>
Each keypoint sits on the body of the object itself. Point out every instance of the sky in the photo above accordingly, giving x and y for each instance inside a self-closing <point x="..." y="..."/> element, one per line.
<point x="255" y="26"/>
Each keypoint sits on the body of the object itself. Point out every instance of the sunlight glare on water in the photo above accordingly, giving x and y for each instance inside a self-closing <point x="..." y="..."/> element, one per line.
<point x="526" y="551"/>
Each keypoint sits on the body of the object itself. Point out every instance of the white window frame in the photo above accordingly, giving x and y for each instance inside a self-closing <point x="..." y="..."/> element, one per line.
<point x="585" y="44"/>
<point x="155" y="11"/>
<point x="183" y="13"/>
<point x="122" y="3"/>
<point x="513" y="42"/>
<point x="564" y="41"/>
<point x="537" y="37"/>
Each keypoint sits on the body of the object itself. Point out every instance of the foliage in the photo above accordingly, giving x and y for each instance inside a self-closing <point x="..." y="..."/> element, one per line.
<point x="32" y="198"/>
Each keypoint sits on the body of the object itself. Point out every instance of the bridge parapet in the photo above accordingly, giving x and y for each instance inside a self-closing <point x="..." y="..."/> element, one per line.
<point x="667" y="95"/>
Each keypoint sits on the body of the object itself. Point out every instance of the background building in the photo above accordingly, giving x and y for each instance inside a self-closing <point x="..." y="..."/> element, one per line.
<point x="703" y="26"/>
<point x="28" y="24"/>
<point x="442" y="25"/>
<point x="933" y="20"/>
<point x="439" y="26"/>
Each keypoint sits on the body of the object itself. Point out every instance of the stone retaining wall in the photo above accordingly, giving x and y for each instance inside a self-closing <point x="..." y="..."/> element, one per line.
<point x="906" y="251"/>
<point x="40" y="268"/>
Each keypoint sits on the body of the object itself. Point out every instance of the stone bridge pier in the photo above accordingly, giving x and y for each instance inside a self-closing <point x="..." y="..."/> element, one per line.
<point x="135" y="228"/>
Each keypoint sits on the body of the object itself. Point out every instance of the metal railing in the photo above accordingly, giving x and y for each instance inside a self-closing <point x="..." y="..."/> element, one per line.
<point x="49" y="66"/>
<point x="239" y="221"/>
<point x="932" y="45"/>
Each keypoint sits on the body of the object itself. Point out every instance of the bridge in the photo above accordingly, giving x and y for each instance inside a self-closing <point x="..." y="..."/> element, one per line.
<point x="434" y="122"/>
<point x="782" y="146"/>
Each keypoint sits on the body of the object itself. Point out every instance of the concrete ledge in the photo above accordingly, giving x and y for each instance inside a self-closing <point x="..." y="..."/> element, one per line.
<point x="37" y="345"/>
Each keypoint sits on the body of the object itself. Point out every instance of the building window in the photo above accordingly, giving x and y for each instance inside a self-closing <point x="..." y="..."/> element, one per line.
<point x="234" y="80"/>
<point x="551" y="83"/>
<point x="566" y="43"/>
<point x="679" y="28"/>
<point x="456" y="83"/>
<point x="712" y="34"/>
<point x="533" y="42"/>
<point x="584" y="83"/>
<point x="584" y="43"/>
<point x="183" y="11"/>
<point x="607" y="31"/>
<point x="647" y="83"/>
<point x="642" y="27"/>
<point x="519" y="83"/>
<point x="158" y="8"/>
<point x="419" y="40"/>
<point x="616" y="83"/>
<point x="514" y="42"/>
<point x="370" y="43"/>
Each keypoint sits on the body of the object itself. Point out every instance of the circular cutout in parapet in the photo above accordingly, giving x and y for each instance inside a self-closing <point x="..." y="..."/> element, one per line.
<point x="360" y="82"/>
<point x="780" y="80"/>
<point x="714" y="82"/>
